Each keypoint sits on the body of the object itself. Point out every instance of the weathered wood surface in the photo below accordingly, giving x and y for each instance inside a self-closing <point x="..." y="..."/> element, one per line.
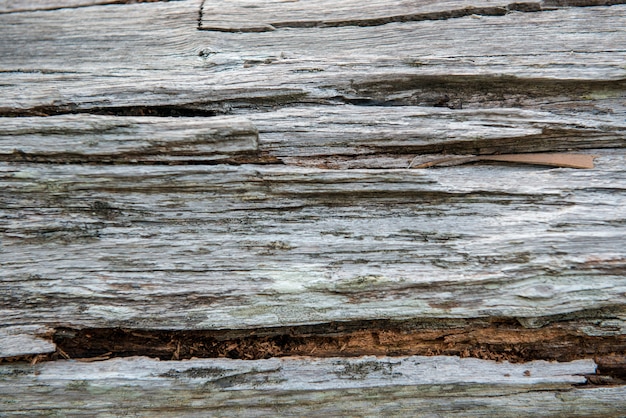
<point x="18" y="6"/>
<point x="24" y="340"/>
<point x="439" y="386"/>
<point x="160" y="58"/>
<point x="269" y="15"/>
<point x="173" y="168"/>
<point x="232" y="246"/>
<point x="105" y="139"/>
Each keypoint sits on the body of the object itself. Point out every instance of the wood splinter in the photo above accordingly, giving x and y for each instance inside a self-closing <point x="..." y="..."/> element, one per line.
<point x="548" y="159"/>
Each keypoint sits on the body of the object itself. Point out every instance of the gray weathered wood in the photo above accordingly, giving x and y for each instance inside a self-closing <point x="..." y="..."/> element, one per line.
<point x="368" y="386"/>
<point x="224" y="247"/>
<point x="269" y="15"/>
<point x="19" y="6"/>
<point x="102" y="139"/>
<point x="351" y="136"/>
<point x="25" y="340"/>
<point x="160" y="58"/>
<point x="116" y="213"/>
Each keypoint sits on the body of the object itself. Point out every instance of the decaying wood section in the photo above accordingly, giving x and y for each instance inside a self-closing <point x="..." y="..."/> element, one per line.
<point x="255" y="193"/>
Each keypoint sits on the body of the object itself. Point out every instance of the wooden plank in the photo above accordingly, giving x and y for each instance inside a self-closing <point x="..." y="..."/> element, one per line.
<point x="25" y="340"/>
<point x="105" y="139"/>
<point x="297" y="386"/>
<point x="225" y="71"/>
<point x="203" y="247"/>
<point x="229" y="16"/>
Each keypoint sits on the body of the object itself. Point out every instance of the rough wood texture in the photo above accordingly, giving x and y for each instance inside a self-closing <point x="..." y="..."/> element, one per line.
<point x="160" y="58"/>
<point x="105" y="139"/>
<point x="24" y="340"/>
<point x="441" y="386"/>
<point x="226" y="247"/>
<point x="243" y="168"/>
<point x="18" y="6"/>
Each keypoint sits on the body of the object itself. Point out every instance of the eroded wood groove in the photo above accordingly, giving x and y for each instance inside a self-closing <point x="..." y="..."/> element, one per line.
<point x="454" y="10"/>
<point x="490" y="339"/>
<point x="498" y="339"/>
<point x="556" y="338"/>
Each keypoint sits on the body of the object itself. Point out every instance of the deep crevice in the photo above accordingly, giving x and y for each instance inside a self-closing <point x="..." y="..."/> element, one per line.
<point x="524" y="7"/>
<point x="555" y="339"/>
<point x="160" y="111"/>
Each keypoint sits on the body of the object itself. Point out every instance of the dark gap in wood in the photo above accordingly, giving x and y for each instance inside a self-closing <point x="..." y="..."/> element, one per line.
<point x="524" y="7"/>
<point x="556" y="338"/>
<point x="200" y="14"/>
<point x="141" y="158"/>
<point x="159" y="111"/>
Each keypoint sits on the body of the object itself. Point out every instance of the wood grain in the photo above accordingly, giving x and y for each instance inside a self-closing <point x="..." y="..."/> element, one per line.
<point x="369" y="386"/>
<point x="106" y="139"/>
<point x="20" y="6"/>
<point x="224" y="247"/>
<point x="156" y="56"/>
<point x="241" y="167"/>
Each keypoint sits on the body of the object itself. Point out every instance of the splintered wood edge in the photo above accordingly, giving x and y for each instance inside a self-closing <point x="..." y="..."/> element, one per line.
<point x="25" y="340"/>
<point x="582" y="161"/>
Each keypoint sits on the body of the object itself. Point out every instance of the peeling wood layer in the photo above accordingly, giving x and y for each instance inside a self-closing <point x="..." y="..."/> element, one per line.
<point x="25" y="340"/>
<point x="352" y="136"/>
<point x="346" y="136"/>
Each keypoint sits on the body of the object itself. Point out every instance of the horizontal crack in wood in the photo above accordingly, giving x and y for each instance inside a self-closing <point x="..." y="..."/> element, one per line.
<point x="489" y="338"/>
<point x="161" y="111"/>
<point x="524" y="7"/>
